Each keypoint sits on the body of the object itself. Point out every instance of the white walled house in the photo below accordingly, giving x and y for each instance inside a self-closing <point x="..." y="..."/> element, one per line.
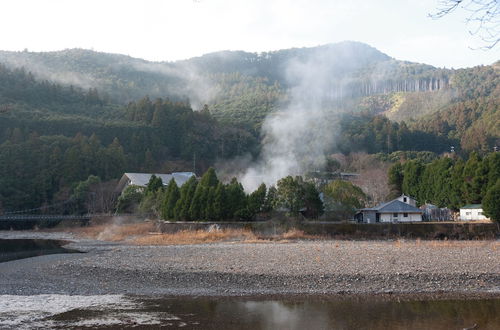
<point x="472" y="212"/>
<point x="394" y="211"/>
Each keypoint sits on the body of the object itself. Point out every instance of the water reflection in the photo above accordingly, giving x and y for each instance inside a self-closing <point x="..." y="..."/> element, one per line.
<point x="334" y="313"/>
<point x="12" y="249"/>
<point x="119" y="312"/>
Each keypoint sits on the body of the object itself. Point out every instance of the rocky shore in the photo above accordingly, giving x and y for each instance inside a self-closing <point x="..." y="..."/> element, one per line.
<point x="270" y="268"/>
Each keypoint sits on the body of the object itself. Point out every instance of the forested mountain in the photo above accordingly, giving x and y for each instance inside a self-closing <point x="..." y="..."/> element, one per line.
<point x="54" y="136"/>
<point x="234" y="81"/>
<point x="74" y="113"/>
<point x="242" y="87"/>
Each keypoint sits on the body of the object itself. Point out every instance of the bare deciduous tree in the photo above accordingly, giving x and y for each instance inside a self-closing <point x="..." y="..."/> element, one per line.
<point x="483" y="19"/>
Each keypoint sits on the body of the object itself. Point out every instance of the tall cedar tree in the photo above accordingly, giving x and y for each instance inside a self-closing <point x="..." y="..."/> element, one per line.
<point x="200" y="201"/>
<point x="181" y="211"/>
<point x="155" y="183"/>
<point x="236" y="198"/>
<point x="221" y="204"/>
<point x="491" y="203"/>
<point x="171" y="197"/>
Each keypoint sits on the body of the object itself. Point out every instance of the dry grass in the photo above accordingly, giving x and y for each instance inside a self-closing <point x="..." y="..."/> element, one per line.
<point x="116" y="232"/>
<point x="197" y="237"/>
<point x="297" y="234"/>
<point x="145" y="233"/>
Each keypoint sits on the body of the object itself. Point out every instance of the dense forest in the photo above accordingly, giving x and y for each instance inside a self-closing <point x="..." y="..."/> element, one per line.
<point x="447" y="181"/>
<point x="53" y="137"/>
<point x="70" y="115"/>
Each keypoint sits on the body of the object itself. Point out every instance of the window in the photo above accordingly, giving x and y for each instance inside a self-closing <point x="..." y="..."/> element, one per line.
<point x="480" y="213"/>
<point x="395" y="215"/>
<point x="467" y="213"/>
<point x="405" y="215"/>
<point x="404" y="199"/>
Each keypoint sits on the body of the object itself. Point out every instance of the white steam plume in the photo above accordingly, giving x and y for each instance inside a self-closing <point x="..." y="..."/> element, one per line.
<point x="297" y="138"/>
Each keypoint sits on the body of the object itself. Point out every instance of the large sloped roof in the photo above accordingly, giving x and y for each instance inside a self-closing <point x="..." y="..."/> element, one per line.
<point x="394" y="206"/>
<point x="142" y="179"/>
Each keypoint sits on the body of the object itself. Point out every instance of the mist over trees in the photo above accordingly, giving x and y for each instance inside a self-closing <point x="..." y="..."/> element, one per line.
<point x="68" y="116"/>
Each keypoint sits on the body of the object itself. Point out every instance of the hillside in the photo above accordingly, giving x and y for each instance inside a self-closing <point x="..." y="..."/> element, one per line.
<point x="243" y="88"/>
<point x="234" y="81"/>
<point x="70" y="114"/>
<point x="52" y="137"/>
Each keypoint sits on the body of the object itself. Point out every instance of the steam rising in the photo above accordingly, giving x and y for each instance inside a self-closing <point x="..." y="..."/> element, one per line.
<point x="297" y="138"/>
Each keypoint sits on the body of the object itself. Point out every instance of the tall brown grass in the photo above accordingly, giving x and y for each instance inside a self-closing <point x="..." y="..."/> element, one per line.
<point x="197" y="237"/>
<point x="116" y="232"/>
<point x="297" y="234"/>
<point x="146" y="233"/>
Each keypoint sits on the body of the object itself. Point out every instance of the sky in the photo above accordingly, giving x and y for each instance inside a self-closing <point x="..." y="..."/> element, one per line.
<point x="169" y="30"/>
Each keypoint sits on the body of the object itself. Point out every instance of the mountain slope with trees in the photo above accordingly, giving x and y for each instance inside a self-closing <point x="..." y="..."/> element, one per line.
<point x="69" y="115"/>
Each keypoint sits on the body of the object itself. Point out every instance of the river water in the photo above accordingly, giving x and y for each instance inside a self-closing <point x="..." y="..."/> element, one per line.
<point x="119" y="312"/>
<point x="284" y="312"/>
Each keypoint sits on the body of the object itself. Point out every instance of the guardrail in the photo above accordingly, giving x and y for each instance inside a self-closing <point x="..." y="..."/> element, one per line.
<point x="44" y="217"/>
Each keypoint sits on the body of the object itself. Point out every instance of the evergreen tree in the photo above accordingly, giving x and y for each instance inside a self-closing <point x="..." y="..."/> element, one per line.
<point x="236" y="198"/>
<point x="493" y="160"/>
<point x="413" y="170"/>
<point x="155" y="183"/>
<point x="181" y="211"/>
<point x="491" y="203"/>
<point x="271" y="197"/>
<point x="470" y="188"/>
<point x="257" y="199"/>
<point x="456" y="199"/>
<point x="171" y="197"/>
<point x="290" y="194"/>
<point x="210" y="211"/>
<point x="396" y="178"/>
<point x="198" y="203"/>
<point x="129" y="199"/>
<point x="209" y="179"/>
<point x="220" y="203"/>
<point x="312" y="201"/>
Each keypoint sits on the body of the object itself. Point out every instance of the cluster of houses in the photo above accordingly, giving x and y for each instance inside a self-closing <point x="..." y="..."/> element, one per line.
<point x="404" y="209"/>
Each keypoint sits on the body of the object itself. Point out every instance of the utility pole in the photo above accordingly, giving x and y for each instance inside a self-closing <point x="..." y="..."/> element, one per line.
<point x="194" y="163"/>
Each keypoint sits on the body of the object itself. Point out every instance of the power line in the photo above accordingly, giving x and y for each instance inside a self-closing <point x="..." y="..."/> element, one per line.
<point x="40" y="208"/>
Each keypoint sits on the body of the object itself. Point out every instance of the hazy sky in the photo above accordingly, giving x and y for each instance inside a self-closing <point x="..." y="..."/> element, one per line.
<point x="178" y="29"/>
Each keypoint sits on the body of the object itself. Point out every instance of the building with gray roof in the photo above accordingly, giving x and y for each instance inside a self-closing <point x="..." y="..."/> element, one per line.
<point x="393" y="211"/>
<point x="142" y="179"/>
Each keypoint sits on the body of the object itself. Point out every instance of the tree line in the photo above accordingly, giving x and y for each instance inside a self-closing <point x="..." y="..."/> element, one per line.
<point x="448" y="181"/>
<point x="209" y="199"/>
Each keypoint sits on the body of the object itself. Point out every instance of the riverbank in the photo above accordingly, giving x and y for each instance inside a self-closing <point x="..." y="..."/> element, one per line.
<point x="264" y="268"/>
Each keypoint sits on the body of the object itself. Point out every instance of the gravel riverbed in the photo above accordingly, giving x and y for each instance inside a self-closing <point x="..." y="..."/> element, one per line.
<point x="270" y="268"/>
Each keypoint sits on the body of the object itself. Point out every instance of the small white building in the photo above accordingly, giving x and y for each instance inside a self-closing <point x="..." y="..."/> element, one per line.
<point x="472" y="212"/>
<point x="397" y="210"/>
<point x="142" y="179"/>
